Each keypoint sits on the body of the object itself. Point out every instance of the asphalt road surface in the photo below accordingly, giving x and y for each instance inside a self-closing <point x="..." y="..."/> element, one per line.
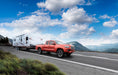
<point x="102" y="61"/>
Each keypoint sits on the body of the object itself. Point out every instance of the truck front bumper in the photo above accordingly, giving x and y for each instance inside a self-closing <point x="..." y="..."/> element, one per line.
<point x="70" y="51"/>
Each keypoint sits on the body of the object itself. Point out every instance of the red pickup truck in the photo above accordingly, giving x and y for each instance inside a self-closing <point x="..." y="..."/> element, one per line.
<point x="55" y="46"/>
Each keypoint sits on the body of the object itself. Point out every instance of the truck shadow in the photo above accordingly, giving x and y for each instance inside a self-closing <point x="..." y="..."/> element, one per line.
<point x="51" y="54"/>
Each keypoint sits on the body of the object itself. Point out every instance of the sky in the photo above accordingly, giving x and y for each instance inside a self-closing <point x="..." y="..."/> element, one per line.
<point x="90" y="22"/>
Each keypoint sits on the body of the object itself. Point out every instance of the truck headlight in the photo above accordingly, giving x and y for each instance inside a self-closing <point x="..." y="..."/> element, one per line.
<point x="66" y="46"/>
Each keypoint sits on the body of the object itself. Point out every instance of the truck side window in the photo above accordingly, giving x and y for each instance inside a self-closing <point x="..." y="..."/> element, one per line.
<point x="26" y="38"/>
<point x="51" y="43"/>
<point x="47" y="43"/>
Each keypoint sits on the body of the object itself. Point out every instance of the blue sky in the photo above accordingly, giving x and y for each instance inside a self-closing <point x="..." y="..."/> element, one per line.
<point x="90" y="22"/>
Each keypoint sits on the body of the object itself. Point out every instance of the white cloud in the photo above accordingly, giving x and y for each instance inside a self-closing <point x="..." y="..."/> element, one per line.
<point x="99" y="41"/>
<point x="88" y="3"/>
<point x="91" y="30"/>
<point x="42" y="4"/>
<point x="109" y="39"/>
<point x="77" y="15"/>
<point x="77" y="26"/>
<point x="20" y="13"/>
<point x="57" y="5"/>
<point x="76" y="31"/>
<point x="16" y="31"/>
<point x="76" y="20"/>
<point x="33" y="33"/>
<point x="30" y="24"/>
<point x="37" y="19"/>
<point x="110" y="23"/>
<point x="105" y="17"/>
<point x="114" y="34"/>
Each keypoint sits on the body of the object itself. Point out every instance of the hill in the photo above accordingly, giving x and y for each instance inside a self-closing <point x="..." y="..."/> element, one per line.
<point x="103" y="47"/>
<point x="112" y="50"/>
<point x="78" y="46"/>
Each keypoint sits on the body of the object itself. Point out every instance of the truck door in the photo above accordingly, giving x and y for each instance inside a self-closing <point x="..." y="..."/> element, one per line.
<point x="51" y="46"/>
<point x="45" y="47"/>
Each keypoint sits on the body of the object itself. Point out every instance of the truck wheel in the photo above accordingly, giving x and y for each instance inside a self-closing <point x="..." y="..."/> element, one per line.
<point x="39" y="51"/>
<point x="60" y="53"/>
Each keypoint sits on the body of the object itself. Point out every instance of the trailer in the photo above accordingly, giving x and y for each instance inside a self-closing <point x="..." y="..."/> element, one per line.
<point x="24" y="41"/>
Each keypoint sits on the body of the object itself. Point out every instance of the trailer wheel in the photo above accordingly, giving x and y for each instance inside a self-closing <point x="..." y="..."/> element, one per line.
<point x="60" y="53"/>
<point x="18" y="48"/>
<point x="27" y="49"/>
<point x="39" y="51"/>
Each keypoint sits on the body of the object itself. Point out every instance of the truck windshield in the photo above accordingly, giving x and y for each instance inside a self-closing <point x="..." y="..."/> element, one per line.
<point x="59" y="42"/>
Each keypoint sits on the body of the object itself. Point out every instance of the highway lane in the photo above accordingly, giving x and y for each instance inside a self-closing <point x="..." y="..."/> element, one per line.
<point x="110" y="64"/>
<point x="98" y="54"/>
<point x="87" y="59"/>
<point x="106" y="63"/>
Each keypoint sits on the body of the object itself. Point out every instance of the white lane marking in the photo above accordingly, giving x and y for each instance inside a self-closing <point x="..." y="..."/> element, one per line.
<point x="83" y="64"/>
<point x="96" y="57"/>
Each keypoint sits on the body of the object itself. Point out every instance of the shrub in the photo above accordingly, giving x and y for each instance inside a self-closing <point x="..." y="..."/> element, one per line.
<point x="7" y="56"/>
<point x="32" y="66"/>
<point x="51" y="67"/>
<point x="11" y="65"/>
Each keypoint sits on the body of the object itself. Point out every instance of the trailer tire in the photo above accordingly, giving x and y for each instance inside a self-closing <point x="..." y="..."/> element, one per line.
<point x="27" y="49"/>
<point x="18" y="48"/>
<point x="39" y="51"/>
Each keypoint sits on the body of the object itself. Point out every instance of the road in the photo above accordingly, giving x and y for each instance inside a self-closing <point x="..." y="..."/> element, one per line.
<point x="90" y="60"/>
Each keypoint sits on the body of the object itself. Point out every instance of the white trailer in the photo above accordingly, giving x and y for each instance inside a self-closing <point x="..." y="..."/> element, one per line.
<point x="24" y="41"/>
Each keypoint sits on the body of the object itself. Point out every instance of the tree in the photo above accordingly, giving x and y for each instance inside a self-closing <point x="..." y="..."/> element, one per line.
<point x="4" y="40"/>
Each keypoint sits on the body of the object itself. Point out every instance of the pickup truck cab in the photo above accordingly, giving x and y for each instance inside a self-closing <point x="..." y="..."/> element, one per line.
<point x="55" y="46"/>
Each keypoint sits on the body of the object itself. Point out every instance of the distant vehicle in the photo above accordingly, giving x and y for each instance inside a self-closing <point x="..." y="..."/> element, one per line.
<point x="55" y="46"/>
<point x="23" y="41"/>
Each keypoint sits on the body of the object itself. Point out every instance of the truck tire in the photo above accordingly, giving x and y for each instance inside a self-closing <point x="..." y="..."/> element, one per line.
<point x="60" y="53"/>
<point x="39" y="51"/>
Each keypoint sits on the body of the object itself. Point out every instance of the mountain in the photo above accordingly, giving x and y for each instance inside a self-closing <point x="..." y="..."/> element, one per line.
<point x="103" y="47"/>
<point x="78" y="46"/>
<point x="112" y="50"/>
<point x="96" y="47"/>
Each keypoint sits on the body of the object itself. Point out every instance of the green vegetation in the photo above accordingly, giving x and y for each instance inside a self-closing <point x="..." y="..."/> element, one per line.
<point x="4" y="40"/>
<point x="11" y="65"/>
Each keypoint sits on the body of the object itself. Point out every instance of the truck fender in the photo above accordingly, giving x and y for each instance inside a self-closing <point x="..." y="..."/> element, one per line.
<point x="58" y="49"/>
